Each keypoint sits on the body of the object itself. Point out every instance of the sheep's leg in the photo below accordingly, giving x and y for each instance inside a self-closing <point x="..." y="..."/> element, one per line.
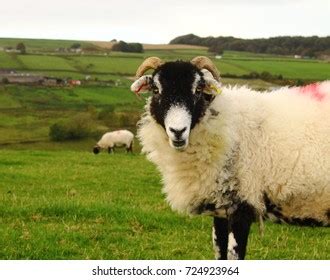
<point x="220" y="237"/>
<point x="239" y="226"/>
<point x="110" y="150"/>
<point x="130" y="148"/>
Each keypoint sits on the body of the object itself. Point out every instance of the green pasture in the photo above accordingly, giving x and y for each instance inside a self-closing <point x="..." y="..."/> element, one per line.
<point x="41" y="44"/>
<point x="26" y="113"/>
<point x="76" y="205"/>
<point x="261" y="56"/>
<point x="304" y="69"/>
<point x="45" y="62"/>
<point x="68" y="97"/>
<point x="104" y="66"/>
<point x="9" y="60"/>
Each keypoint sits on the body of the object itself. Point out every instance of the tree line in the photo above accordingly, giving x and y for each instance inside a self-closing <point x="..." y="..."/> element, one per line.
<point x="285" y="45"/>
<point x="122" y="46"/>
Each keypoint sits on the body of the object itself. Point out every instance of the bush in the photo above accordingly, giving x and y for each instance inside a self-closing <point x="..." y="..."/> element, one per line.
<point x="5" y="80"/>
<point x="266" y="76"/>
<point x="127" y="47"/>
<point x="75" y="46"/>
<point x="21" y="47"/>
<point x="79" y="127"/>
<point x="58" y="132"/>
<point x="106" y="113"/>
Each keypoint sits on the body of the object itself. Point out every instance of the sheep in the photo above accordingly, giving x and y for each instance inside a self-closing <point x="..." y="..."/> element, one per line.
<point x="235" y="154"/>
<point x="113" y="139"/>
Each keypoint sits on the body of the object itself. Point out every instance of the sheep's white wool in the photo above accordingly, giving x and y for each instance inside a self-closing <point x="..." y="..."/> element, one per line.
<point x="195" y="83"/>
<point x="276" y="143"/>
<point x="116" y="138"/>
<point x="232" y="254"/>
<point x="215" y="245"/>
<point x="157" y="83"/>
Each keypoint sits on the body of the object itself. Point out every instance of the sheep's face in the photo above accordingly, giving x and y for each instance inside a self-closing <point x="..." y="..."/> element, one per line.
<point x="179" y="100"/>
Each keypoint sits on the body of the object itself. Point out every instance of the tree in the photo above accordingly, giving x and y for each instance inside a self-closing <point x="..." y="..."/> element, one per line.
<point x="122" y="46"/>
<point x="284" y="45"/>
<point x="76" y="46"/>
<point x="216" y="49"/>
<point x="21" y="47"/>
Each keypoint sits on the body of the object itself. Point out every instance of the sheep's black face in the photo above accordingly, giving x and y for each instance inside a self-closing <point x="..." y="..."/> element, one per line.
<point x="178" y="102"/>
<point x="96" y="150"/>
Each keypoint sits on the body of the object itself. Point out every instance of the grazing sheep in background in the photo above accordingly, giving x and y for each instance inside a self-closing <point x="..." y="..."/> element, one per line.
<point x="113" y="139"/>
<point x="239" y="155"/>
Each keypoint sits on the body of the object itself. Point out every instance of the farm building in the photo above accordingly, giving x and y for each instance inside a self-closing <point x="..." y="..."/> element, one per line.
<point x="75" y="82"/>
<point x="12" y="77"/>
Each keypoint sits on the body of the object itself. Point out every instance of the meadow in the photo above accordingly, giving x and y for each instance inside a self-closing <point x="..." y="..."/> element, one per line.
<point x="60" y="201"/>
<point x="74" y="205"/>
<point x="100" y="63"/>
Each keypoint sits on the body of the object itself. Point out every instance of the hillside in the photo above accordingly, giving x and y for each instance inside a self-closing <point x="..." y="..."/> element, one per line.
<point x="28" y="110"/>
<point x="296" y="45"/>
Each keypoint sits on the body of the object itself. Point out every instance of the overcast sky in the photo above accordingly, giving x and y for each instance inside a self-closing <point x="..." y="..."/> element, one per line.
<point x="159" y="21"/>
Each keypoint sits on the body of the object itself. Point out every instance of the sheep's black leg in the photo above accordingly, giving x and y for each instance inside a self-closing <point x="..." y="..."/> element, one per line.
<point x="239" y="226"/>
<point x="130" y="148"/>
<point x="110" y="150"/>
<point x="220" y="237"/>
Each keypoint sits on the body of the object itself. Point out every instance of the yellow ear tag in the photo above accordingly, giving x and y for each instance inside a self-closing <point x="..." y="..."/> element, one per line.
<point x="216" y="89"/>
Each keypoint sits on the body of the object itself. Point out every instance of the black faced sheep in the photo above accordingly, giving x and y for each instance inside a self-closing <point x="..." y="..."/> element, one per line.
<point x="239" y="155"/>
<point x="113" y="139"/>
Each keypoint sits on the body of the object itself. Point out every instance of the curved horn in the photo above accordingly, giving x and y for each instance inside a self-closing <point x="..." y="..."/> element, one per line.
<point x="150" y="63"/>
<point x="203" y="62"/>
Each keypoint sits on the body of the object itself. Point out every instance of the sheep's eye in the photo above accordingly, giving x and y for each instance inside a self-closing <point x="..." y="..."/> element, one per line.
<point x="155" y="90"/>
<point x="199" y="89"/>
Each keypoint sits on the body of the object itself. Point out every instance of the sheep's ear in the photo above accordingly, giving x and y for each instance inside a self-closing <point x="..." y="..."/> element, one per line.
<point x="142" y="84"/>
<point x="212" y="86"/>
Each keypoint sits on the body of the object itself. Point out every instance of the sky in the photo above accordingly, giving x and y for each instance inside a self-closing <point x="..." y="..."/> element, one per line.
<point x="159" y="21"/>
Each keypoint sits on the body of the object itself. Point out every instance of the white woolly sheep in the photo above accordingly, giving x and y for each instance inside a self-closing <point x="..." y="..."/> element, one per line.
<point x="239" y="155"/>
<point x="118" y="138"/>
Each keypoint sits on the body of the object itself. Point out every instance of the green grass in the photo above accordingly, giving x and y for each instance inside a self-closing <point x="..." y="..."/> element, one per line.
<point x="45" y="62"/>
<point x="26" y="113"/>
<point x="310" y="70"/>
<point x="226" y="67"/>
<point x="75" y="205"/>
<point x="121" y="65"/>
<point x="41" y="44"/>
<point x="118" y="64"/>
<point x="67" y="97"/>
<point x="8" y="60"/>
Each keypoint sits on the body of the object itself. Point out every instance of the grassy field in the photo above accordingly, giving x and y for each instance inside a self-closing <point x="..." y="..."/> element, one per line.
<point x="26" y="113"/>
<point x="101" y="64"/>
<point x="309" y="70"/>
<point x="75" y="205"/>
<point x="42" y="44"/>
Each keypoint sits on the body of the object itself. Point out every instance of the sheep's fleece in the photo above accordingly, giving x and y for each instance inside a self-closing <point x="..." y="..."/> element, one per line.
<point x="276" y="143"/>
<point x="116" y="138"/>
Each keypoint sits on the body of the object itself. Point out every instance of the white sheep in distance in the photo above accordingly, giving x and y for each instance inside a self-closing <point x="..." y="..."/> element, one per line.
<point x="118" y="138"/>
<point x="239" y="155"/>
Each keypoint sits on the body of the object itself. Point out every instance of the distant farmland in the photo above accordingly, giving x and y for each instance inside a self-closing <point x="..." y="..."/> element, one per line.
<point x="122" y="64"/>
<point x="110" y="74"/>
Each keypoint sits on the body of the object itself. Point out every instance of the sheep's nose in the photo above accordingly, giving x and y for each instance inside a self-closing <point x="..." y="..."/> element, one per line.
<point x="178" y="132"/>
